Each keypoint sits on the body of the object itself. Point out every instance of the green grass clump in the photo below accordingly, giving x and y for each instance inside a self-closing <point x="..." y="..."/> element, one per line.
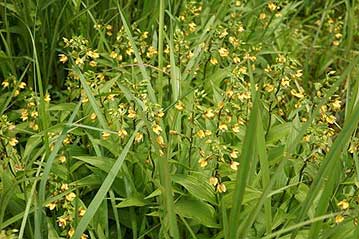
<point x="179" y="119"/>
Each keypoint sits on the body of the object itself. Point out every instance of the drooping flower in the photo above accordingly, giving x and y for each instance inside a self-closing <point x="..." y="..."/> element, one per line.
<point x="343" y="204"/>
<point x="213" y="181"/>
<point x="70" y="197"/>
<point x="63" y="58"/>
<point x="156" y="129"/>
<point x="221" y="188"/>
<point x="203" y="162"/>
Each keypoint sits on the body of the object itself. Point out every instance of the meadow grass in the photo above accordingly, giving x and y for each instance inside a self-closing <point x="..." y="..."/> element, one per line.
<point x="179" y="119"/>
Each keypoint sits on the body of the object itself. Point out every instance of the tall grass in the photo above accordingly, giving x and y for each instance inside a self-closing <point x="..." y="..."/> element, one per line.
<point x="179" y="119"/>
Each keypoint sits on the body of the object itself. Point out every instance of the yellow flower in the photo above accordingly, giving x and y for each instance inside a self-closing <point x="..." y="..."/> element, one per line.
<point x="262" y="16"/>
<point x="339" y="219"/>
<point x="234" y="154"/>
<point x="200" y="134"/>
<point x="268" y="87"/>
<point x="84" y="236"/>
<point x="213" y="61"/>
<point x="330" y="132"/>
<point x="93" y="54"/>
<point x="284" y="82"/>
<point x="236" y="60"/>
<point x="13" y="142"/>
<point x="71" y="232"/>
<point x="70" y="197"/>
<point x="330" y="119"/>
<point x="63" y="58"/>
<point x="122" y="133"/>
<point x="272" y="6"/>
<point x="62" y="159"/>
<point x="343" y="204"/>
<point x="233" y="41"/>
<point x="5" y="84"/>
<point x="160" y="113"/>
<point x="192" y="27"/>
<point x="336" y="104"/>
<point x="97" y="26"/>
<point x="113" y="54"/>
<point x="323" y="109"/>
<point x="207" y="132"/>
<point x="47" y="98"/>
<point x="79" y="61"/>
<point x="67" y="140"/>
<point x="160" y="141"/>
<point x="34" y="114"/>
<point x="240" y="29"/>
<point x="336" y="43"/>
<point x="353" y="148"/>
<point x="223" y="127"/>
<point x="221" y="188"/>
<point x="109" y="27"/>
<point x="61" y="221"/>
<point x="202" y="162"/>
<point x="105" y="135"/>
<point x="129" y="51"/>
<point x="157" y="129"/>
<point x="234" y="165"/>
<point x="119" y="58"/>
<point x="209" y="114"/>
<point x="306" y="138"/>
<point x="82" y="212"/>
<point x="24" y="115"/>
<point x="179" y="106"/>
<point x="151" y="51"/>
<point x="93" y="63"/>
<point x="213" y="181"/>
<point x="51" y="206"/>
<point x="220" y="105"/>
<point x="223" y="52"/>
<point x="111" y="97"/>
<point x="235" y="128"/>
<point x="299" y="73"/>
<point x="138" y="137"/>
<point x="93" y="116"/>
<point x="131" y="114"/>
<point x="64" y="187"/>
<point x="22" y="85"/>
<point x="144" y="35"/>
<point x="162" y="153"/>
<point x="84" y="99"/>
<point x="298" y="94"/>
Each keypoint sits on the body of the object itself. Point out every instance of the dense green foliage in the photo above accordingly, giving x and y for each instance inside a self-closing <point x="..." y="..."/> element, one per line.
<point x="179" y="119"/>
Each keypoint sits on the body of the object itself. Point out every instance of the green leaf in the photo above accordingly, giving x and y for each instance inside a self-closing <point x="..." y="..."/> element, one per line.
<point x="106" y="185"/>
<point x="197" y="186"/>
<point x="52" y="234"/>
<point x="199" y="211"/>
<point x="134" y="201"/>
<point x="102" y="163"/>
<point x="278" y="132"/>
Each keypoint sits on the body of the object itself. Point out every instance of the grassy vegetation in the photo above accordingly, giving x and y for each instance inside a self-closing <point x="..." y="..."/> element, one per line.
<point x="179" y="119"/>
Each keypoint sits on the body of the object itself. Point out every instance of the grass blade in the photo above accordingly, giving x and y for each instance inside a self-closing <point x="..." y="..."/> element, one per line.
<point x="105" y="187"/>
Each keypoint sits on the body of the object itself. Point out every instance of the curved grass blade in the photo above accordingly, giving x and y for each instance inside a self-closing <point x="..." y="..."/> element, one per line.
<point x="248" y="155"/>
<point x="48" y="166"/>
<point x="105" y="187"/>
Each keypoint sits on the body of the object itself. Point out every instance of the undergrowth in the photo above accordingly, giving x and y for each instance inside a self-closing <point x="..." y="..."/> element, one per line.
<point x="179" y="119"/>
